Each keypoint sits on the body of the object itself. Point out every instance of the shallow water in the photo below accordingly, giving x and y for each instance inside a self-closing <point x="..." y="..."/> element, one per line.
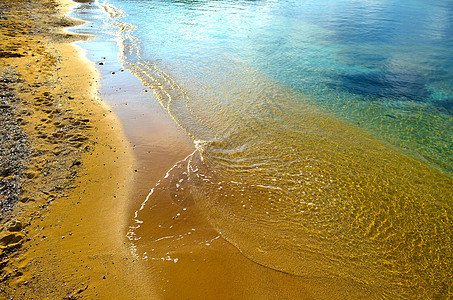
<point x="366" y="62"/>
<point x="323" y="133"/>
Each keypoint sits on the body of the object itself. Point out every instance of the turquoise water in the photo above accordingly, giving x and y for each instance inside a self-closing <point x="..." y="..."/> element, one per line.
<point x="323" y="131"/>
<point x="384" y="66"/>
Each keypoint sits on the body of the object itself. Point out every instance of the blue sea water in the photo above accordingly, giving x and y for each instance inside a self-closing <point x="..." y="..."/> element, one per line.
<point x="384" y="65"/>
<point x="323" y="130"/>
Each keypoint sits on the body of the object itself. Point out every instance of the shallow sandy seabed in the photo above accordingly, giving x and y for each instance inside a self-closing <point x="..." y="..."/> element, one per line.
<point x="66" y="237"/>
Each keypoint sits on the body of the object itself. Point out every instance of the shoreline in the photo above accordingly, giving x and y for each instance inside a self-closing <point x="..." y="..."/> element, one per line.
<point x="157" y="141"/>
<point x="91" y="164"/>
<point x="205" y="265"/>
<point x="77" y="252"/>
<point x="65" y="237"/>
<point x="163" y="235"/>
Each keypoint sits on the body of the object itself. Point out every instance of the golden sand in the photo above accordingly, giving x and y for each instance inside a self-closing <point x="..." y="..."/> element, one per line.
<point x="66" y="239"/>
<point x="77" y="247"/>
<point x="70" y="238"/>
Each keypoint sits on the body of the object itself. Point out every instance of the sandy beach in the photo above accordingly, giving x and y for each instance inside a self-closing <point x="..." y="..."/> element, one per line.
<point x="64" y="226"/>
<point x="94" y="175"/>
<point x="64" y="188"/>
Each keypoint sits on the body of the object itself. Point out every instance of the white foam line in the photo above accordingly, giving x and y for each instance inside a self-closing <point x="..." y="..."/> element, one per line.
<point x="164" y="238"/>
<point x="158" y="183"/>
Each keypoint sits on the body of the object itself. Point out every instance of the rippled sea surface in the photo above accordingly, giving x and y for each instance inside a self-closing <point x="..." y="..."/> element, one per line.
<point x="323" y="130"/>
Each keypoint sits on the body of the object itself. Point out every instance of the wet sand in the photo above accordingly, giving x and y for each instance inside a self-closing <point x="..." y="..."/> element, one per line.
<point x="64" y="238"/>
<point x="91" y="166"/>
<point x="202" y="265"/>
<point x="189" y="258"/>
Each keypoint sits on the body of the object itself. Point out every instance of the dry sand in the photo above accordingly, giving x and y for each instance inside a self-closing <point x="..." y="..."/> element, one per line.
<point x="65" y="236"/>
<point x="65" y="239"/>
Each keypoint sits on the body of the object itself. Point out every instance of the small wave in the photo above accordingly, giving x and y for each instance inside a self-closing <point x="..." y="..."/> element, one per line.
<point x="292" y="187"/>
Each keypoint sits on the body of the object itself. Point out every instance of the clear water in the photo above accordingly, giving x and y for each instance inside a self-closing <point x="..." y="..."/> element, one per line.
<point x="387" y="67"/>
<point x="323" y="129"/>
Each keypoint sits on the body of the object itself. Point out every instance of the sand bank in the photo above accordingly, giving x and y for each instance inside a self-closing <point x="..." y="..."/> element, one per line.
<point x="65" y="235"/>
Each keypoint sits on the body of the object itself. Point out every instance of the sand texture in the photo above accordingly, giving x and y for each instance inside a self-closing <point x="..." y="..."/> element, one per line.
<point x="65" y="166"/>
<point x="96" y="201"/>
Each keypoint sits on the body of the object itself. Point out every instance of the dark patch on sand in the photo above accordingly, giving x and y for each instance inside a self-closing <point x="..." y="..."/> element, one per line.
<point x="41" y="138"/>
<point x="6" y="54"/>
<point x="390" y="85"/>
<point x="14" y="147"/>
